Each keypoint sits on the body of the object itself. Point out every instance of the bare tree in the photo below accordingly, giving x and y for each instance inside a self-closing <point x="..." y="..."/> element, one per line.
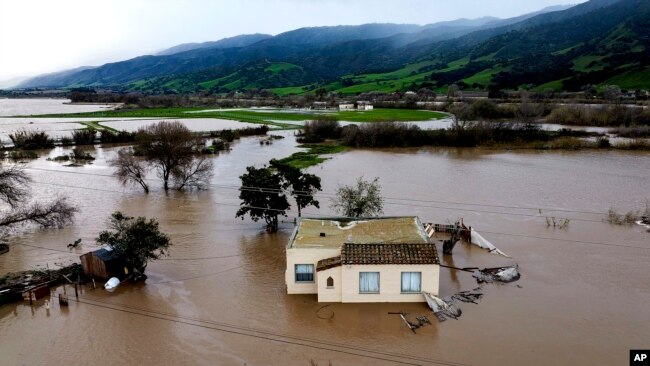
<point x="129" y="169"/>
<point x="167" y="146"/>
<point x="14" y="192"/>
<point x="196" y="173"/>
<point x="361" y="200"/>
<point x="460" y="116"/>
<point x="13" y="185"/>
<point x="50" y="214"/>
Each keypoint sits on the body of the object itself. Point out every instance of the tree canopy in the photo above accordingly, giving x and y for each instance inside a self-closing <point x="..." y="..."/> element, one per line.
<point x="263" y="197"/>
<point x="172" y="150"/>
<point x="360" y="200"/>
<point x="137" y="240"/>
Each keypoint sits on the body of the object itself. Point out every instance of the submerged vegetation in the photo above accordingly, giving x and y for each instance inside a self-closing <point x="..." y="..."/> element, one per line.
<point x="31" y="140"/>
<point x="629" y="218"/>
<point x="305" y="159"/>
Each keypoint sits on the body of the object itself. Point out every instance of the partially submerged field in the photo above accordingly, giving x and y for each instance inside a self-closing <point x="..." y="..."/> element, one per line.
<point x="265" y="116"/>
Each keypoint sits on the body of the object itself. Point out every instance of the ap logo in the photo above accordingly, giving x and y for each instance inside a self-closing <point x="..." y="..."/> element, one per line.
<point x="639" y="357"/>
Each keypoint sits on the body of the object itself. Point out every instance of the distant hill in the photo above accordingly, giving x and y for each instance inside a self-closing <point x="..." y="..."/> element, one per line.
<point x="237" y="41"/>
<point x="596" y="42"/>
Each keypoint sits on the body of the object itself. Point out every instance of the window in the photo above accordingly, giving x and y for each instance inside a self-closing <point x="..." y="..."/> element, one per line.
<point x="330" y="282"/>
<point x="411" y="282"/>
<point x="369" y="282"/>
<point x="304" y="273"/>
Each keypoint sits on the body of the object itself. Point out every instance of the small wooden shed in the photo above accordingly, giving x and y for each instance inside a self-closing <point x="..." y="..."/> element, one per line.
<point x="104" y="263"/>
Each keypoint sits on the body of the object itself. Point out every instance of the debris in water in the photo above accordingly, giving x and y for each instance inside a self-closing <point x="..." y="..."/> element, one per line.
<point x="411" y="326"/>
<point x="112" y="284"/>
<point x="498" y="274"/>
<point x="442" y="308"/>
<point x="477" y="239"/>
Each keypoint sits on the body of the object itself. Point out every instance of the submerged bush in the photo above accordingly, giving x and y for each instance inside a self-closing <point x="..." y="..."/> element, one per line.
<point x="31" y="140"/>
<point x="84" y="137"/>
<point x="110" y="137"/>
<point x="231" y="135"/>
<point x="320" y="129"/>
<point x="611" y="115"/>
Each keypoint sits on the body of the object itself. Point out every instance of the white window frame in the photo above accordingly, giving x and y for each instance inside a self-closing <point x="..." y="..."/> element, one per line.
<point x="402" y="283"/>
<point x="378" y="283"/>
<point x="295" y="273"/>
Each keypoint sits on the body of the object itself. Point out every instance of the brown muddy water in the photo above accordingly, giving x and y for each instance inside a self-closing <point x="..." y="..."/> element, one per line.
<point x="220" y="298"/>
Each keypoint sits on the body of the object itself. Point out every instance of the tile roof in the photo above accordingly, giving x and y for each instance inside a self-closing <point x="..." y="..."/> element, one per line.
<point x="328" y="263"/>
<point x="389" y="254"/>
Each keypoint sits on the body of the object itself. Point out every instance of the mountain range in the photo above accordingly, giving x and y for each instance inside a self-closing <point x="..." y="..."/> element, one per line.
<point x="561" y="48"/>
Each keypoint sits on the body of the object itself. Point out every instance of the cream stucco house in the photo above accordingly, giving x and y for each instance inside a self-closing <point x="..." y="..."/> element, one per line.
<point x="387" y="259"/>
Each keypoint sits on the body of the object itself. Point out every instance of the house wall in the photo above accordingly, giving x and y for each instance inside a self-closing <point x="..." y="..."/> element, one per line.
<point x="390" y="282"/>
<point x="329" y="294"/>
<point x="346" y="107"/>
<point x="305" y="256"/>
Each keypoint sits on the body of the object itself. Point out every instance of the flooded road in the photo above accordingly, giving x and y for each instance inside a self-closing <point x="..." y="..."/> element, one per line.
<point x="220" y="297"/>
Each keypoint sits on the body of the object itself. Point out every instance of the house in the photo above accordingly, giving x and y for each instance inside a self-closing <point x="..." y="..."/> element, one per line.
<point x="104" y="263"/>
<point x="346" y="107"/>
<point x="388" y="259"/>
<point x="364" y="106"/>
<point x="319" y="105"/>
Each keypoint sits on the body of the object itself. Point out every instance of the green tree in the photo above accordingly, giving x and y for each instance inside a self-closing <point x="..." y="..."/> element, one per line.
<point x="263" y="197"/>
<point x="137" y="240"/>
<point x="360" y="200"/>
<point x="302" y="186"/>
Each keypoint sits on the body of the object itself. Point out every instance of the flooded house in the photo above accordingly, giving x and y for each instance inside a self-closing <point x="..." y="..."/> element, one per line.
<point x="389" y="259"/>
<point x="346" y="107"/>
<point x="104" y="263"/>
<point x="364" y="106"/>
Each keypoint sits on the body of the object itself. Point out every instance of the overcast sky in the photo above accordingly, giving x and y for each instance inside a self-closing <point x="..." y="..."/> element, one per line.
<point x="39" y="36"/>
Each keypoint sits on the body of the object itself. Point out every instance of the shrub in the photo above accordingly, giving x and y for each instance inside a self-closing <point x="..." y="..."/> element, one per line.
<point x="84" y="137"/>
<point x="31" y="140"/>
<point x="323" y="128"/>
<point x="110" y="137"/>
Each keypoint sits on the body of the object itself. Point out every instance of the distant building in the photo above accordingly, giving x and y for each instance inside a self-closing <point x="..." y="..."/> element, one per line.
<point x="319" y="105"/>
<point x="367" y="260"/>
<point x="104" y="263"/>
<point x="364" y="106"/>
<point x="346" y="107"/>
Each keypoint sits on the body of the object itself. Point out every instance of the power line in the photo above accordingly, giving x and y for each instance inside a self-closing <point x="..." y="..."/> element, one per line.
<point x="267" y="335"/>
<point x="329" y="194"/>
<point x="388" y="203"/>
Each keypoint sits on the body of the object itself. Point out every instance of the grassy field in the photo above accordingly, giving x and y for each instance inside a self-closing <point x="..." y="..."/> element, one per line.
<point x="271" y="117"/>
<point x="312" y="156"/>
<point x="484" y="78"/>
<point x="634" y="79"/>
<point x="554" y="85"/>
<point x="455" y="65"/>
<point x="582" y="63"/>
<point x="290" y="90"/>
<point x="281" y="66"/>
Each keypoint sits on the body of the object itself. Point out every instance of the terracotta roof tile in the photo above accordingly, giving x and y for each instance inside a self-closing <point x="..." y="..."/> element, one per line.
<point x="389" y="254"/>
<point x="328" y="263"/>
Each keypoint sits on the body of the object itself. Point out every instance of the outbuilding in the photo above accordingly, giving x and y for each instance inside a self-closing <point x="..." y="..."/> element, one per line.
<point x="104" y="263"/>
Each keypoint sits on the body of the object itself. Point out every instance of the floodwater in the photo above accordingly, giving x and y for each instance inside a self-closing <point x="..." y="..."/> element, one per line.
<point x="11" y="109"/>
<point x="26" y="107"/>
<point x="220" y="298"/>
